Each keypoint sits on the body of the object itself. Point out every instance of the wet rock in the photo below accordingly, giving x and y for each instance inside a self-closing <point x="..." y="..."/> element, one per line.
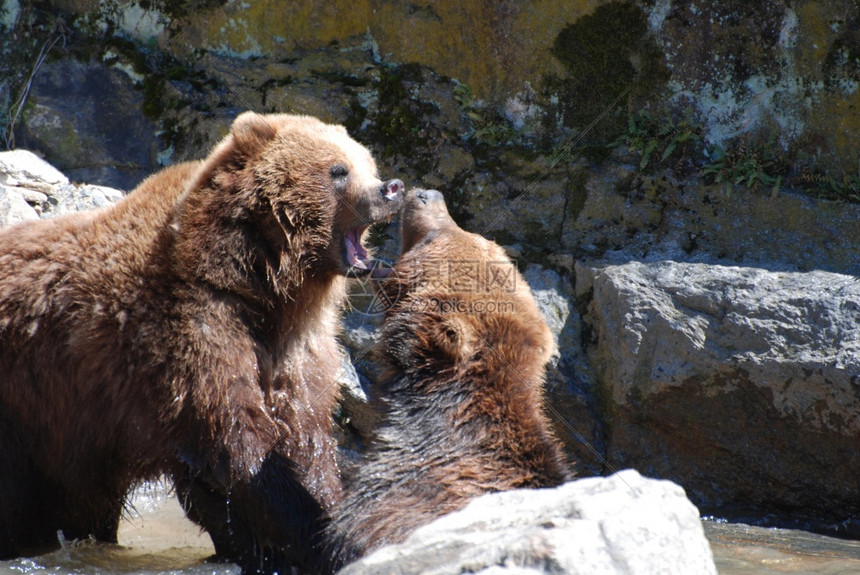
<point x="359" y="337"/>
<point x="623" y="524"/>
<point x="357" y="419"/>
<point x="546" y="287"/>
<point x="741" y="384"/>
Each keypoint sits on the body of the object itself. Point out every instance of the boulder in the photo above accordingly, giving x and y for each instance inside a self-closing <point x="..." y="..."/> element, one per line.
<point x="623" y="524"/>
<point x="31" y="188"/>
<point x="14" y="208"/>
<point x="24" y="168"/>
<point x="741" y="384"/>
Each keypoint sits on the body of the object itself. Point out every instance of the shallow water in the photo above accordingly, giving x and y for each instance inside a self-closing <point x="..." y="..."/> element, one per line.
<point x="746" y="550"/>
<point x="157" y="539"/>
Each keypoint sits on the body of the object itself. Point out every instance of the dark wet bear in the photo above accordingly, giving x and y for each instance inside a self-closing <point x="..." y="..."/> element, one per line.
<point x="462" y="407"/>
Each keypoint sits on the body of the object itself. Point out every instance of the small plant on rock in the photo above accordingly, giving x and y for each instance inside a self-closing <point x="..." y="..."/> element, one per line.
<point x="656" y="140"/>
<point x="489" y="126"/>
<point x="844" y="189"/>
<point x="745" y="163"/>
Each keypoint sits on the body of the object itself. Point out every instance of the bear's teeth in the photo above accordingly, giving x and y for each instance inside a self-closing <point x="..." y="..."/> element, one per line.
<point x="355" y="252"/>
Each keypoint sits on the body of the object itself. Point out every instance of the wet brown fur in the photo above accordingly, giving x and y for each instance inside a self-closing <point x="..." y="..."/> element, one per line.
<point x="463" y="407"/>
<point x="188" y="330"/>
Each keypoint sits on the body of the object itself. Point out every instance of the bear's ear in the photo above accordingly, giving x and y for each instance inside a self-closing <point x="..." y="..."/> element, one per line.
<point x="252" y="131"/>
<point x="455" y="338"/>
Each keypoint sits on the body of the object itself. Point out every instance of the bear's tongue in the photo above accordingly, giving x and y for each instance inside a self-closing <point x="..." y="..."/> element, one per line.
<point x="355" y="252"/>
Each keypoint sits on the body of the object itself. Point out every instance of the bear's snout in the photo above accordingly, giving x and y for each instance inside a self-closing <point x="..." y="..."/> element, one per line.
<point x="392" y="190"/>
<point x="428" y="196"/>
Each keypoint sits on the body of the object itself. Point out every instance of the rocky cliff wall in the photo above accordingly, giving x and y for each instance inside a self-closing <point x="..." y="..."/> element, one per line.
<point x="782" y="73"/>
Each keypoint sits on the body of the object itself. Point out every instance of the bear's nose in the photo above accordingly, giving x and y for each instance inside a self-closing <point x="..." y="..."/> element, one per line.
<point x="427" y="196"/>
<point x="393" y="189"/>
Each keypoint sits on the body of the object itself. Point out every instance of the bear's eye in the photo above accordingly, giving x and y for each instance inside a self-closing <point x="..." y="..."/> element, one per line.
<point x="339" y="171"/>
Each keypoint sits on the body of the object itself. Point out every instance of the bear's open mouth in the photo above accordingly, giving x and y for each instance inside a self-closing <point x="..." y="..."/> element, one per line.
<point x="356" y="255"/>
<point x="358" y="261"/>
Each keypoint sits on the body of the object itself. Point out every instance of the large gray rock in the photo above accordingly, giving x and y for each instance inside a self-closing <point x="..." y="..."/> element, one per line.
<point x="742" y="384"/>
<point x="623" y="524"/>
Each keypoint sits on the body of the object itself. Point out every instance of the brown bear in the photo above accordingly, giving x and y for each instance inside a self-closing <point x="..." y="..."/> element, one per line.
<point x="188" y="330"/>
<point x="461" y="406"/>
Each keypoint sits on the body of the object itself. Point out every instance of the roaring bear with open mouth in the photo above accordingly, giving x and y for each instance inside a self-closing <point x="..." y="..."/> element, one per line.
<point x="188" y="330"/>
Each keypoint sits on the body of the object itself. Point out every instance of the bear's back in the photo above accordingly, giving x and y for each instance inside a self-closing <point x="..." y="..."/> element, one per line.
<point x="105" y="249"/>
